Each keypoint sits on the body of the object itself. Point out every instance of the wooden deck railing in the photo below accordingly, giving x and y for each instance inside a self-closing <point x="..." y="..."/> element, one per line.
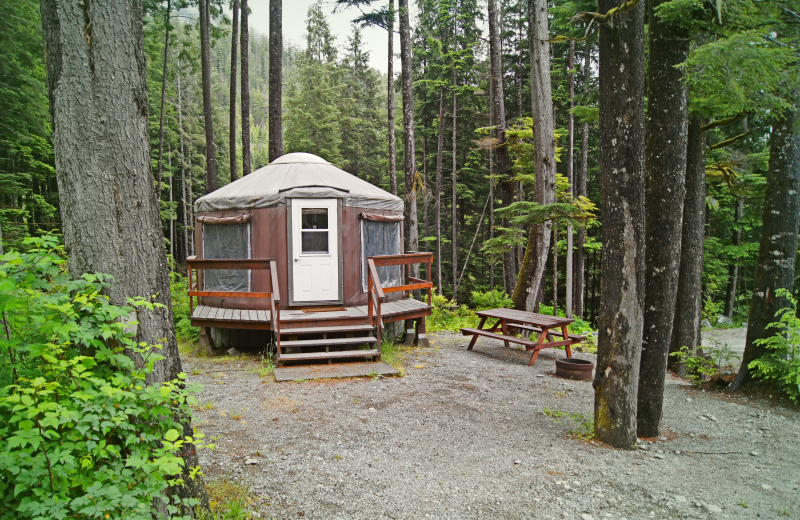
<point x="274" y="296"/>
<point x="376" y="293"/>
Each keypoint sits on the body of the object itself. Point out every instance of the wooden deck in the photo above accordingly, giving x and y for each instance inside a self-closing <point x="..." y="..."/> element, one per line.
<point x="205" y="316"/>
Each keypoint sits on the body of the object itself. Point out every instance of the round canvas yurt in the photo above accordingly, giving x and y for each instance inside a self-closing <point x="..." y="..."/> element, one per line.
<point x="317" y="221"/>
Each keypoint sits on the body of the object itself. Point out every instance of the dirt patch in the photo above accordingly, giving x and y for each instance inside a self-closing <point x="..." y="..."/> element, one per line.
<point x="472" y="434"/>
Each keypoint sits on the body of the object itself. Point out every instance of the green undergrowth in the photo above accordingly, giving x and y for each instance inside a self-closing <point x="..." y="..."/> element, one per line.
<point x="229" y="501"/>
<point x="180" y="309"/>
<point x="781" y="363"/>
<point x="83" y="436"/>
<point x="583" y="425"/>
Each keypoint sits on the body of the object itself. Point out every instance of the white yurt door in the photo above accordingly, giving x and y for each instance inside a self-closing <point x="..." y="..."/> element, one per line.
<point x="315" y="254"/>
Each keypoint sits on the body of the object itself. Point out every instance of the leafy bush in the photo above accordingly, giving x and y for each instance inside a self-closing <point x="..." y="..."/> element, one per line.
<point x="180" y="309"/>
<point x="495" y="299"/>
<point x="83" y="435"/>
<point x="448" y="315"/>
<point x="698" y="368"/>
<point x="782" y="364"/>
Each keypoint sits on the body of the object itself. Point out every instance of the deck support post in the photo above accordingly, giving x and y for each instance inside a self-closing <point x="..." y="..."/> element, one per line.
<point x="411" y="334"/>
<point x="422" y="336"/>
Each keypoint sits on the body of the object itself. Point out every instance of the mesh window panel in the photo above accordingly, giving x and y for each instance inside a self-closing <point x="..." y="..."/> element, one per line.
<point x="226" y="241"/>
<point x="381" y="238"/>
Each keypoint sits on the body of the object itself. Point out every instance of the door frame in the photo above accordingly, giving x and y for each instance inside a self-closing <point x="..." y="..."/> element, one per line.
<point x="290" y="254"/>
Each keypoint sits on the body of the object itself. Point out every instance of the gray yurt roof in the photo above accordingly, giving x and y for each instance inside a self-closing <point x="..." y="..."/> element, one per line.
<point x="297" y="175"/>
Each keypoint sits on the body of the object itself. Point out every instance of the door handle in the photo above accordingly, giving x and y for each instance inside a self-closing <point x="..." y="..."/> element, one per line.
<point x="296" y="259"/>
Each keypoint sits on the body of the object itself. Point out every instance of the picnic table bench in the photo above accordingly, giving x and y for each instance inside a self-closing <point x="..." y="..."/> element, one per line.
<point x="511" y="319"/>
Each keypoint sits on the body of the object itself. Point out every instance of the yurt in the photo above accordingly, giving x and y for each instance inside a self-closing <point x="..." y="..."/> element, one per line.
<point x="317" y="221"/>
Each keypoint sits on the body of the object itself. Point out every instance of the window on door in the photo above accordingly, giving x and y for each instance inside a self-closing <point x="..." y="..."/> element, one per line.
<point x="314" y="231"/>
<point x="226" y="241"/>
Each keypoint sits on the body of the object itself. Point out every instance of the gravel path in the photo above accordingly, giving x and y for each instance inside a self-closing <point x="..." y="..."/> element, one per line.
<point x="464" y="435"/>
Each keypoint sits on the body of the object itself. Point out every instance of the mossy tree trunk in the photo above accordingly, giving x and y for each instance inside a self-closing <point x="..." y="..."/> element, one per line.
<point x="622" y="196"/>
<point x="667" y="127"/>
<point x="533" y="263"/>
<point x="97" y="89"/>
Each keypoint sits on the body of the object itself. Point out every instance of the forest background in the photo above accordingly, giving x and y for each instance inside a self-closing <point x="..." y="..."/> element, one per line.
<point x="335" y="106"/>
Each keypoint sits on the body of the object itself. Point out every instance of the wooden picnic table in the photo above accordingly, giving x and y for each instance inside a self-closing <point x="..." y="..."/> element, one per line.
<point x="511" y="319"/>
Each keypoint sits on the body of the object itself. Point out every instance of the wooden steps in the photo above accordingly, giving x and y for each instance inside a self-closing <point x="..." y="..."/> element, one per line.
<point x="323" y="338"/>
<point x="333" y="342"/>
<point x="325" y="330"/>
<point x="308" y="356"/>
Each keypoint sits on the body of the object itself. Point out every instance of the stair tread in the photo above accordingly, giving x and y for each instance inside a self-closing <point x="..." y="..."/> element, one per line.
<point x="326" y="355"/>
<point x="325" y="342"/>
<point x="326" y="330"/>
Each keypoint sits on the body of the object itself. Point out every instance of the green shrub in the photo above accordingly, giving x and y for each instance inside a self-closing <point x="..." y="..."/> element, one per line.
<point x="496" y="299"/>
<point x="698" y="368"/>
<point x="448" y="315"/>
<point x="83" y="435"/>
<point x="782" y="364"/>
<point x="180" y="309"/>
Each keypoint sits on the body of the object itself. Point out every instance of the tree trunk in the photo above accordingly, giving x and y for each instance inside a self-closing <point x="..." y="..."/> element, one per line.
<point x="733" y="269"/>
<point x="491" y="179"/>
<point x="232" y="131"/>
<point x="426" y="194"/>
<point x="98" y="100"/>
<point x="412" y="235"/>
<point x="163" y="98"/>
<point x="667" y="126"/>
<point x="186" y="224"/>
<point x="555" y="270"/>
<point x="205" y="64"/>
<point x="532" y="268"/>
<point x="778" y="249"/>
<point x="580" y="254"/>
<point x="503" y="159"/>
<point x="275" y="79"/>
<point x="245" y="88"/>
<point x="619" y="345"/>
<point x="437" y="205"/>
<point x="455" y="192"/>
<point x="570" y="174"/>
<point x="390" y="108"/>
<point x="171" y="219"/>
<point x="688" y="300"/>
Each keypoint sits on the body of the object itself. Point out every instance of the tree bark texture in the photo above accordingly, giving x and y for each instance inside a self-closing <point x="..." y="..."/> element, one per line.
<point x="163" y="98"/>
<point x="570" y="174"/>
<point x="437" y="205"/>
<point x="503" y="159"/>
<point x="491" y="177"/>
<point x="688" y="300"/>
<point x="245" y="88"/>
<point x="455" y="190"/>
<point x="390" y="106"/>
<point x="412" y="236"/>
<point x="205" y="65"/>
<point x="622" y="194"/>
<point x="97" y="87"/>
<point x="580" y="254"/>
<point x="533" y="264"/>
<point x="733" y="269"/>
<point x="234" y="57"/>
<point x="275" y="79"/>
<point x="667" y="127"/>
<point x="777" y="251"/>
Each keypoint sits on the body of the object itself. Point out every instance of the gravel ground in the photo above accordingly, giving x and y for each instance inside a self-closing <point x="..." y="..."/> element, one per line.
<point x="464" y="435"/>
